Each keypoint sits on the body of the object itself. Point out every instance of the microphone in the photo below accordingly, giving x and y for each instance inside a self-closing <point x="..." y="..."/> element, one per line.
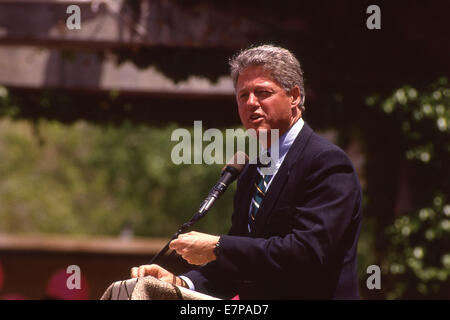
<point x="229" y="173"/>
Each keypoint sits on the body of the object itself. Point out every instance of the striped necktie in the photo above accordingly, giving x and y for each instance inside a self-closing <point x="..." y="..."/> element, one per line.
<point x="260" y="186"/>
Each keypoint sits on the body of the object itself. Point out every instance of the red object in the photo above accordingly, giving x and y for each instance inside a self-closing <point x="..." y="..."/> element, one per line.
<point x="236" y="297"/>
<point x="13" y="296"/>
<point x="57" y="287"/>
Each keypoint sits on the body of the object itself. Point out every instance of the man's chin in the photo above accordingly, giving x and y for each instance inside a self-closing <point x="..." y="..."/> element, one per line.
<point x="255" y="129"/>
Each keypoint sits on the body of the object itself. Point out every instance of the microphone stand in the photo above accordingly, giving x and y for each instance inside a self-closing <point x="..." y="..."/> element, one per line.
<point x="197" y="216"/>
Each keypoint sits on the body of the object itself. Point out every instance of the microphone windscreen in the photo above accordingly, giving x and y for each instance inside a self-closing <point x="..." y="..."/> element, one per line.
<point x="238" y="161"/>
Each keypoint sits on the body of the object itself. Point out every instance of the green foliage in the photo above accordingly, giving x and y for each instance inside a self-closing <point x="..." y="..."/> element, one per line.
<point x="88" y="179"/>
<point x="417" y="259"/>
<point x="7" y="108"/>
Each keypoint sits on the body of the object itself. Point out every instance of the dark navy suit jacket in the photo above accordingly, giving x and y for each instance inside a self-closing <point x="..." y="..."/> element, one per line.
<point x="304" y="241"/>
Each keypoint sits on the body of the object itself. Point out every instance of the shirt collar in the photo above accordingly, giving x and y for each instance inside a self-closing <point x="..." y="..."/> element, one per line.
<point x="287" y="139"/>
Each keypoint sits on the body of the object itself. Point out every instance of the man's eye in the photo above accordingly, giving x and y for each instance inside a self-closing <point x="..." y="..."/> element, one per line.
<point x="265" y="93"/>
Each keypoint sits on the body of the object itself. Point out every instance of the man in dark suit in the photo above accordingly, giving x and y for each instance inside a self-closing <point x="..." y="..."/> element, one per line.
<point x="294" y="231"/>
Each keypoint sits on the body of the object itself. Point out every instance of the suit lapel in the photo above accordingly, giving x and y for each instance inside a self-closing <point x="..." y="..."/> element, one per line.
<point x="277" y="185"/>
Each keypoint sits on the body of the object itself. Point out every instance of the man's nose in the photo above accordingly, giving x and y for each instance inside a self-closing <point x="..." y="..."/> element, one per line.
<point x="252" y="100"/>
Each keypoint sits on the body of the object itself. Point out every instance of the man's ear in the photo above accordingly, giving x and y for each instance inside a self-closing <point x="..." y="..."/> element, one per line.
<point x="302" y="102"/>
<point x="296" y="97"/>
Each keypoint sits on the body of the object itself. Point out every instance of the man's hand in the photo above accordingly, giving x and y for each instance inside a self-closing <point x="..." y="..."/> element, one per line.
<point x="157" y="272"/>
<point x="195" y="247"/>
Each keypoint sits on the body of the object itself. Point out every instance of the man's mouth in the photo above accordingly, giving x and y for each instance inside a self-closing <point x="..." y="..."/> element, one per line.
<point x="255" y="117"/>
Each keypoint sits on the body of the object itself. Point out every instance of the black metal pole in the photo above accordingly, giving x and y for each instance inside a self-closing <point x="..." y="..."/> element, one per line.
<point x="200" y="213"/>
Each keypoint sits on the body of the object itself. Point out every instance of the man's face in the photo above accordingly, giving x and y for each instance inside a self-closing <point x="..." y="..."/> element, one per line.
<point x="263" y="104"/>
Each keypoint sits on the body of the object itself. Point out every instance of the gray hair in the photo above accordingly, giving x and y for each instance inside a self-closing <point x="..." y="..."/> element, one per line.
<point x="283" y="66"/>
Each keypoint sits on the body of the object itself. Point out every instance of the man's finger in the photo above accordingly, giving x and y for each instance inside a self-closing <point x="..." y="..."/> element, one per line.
<point x="174" y="244"/>
<point x="134" y="272"/>
<point x="141" y="271"/>
<point x="146" y="270"/>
